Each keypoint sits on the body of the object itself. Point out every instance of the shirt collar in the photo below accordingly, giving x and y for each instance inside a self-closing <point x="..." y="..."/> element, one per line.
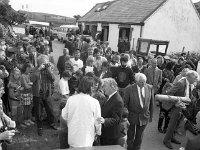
<point x="112" y="95"/>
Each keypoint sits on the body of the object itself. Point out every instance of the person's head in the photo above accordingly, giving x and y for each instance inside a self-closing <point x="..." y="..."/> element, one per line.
<point x="140" y="61"/>
<point x="105" y="66"/>
<point x="77" y="54"/>
<point x="97" y="52"/>
<point x="183" y="55"/>
<point x="78" y="74"/>
<point x="16" y="73"/>
<point x="192" y="76"/>
<point x="123" y="61"/>
<point x="170" y="65"/>
<point x="46" y="50"/>
<point x="160" y="60"/>
<point x="67" y="75"/>
<point x="85" y="85"/>
<point x="184" y="72"/>
<point x="65" y="51"/>
<point x="140" y="79"/>
<point x="42" y="60"/>
<point x="27" y="68"/>
<point x="90" y="51"/>
<point x="154" y="63"/>
<point x="109" y="86"/>
<point x="115" y="59"/>
<point x="90" y="61"/>
<point x="31" y="50"/>
<point x="181" y="60"/>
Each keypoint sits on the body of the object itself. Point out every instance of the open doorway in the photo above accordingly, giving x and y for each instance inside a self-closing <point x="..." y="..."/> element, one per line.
<point x="124" y="40"/>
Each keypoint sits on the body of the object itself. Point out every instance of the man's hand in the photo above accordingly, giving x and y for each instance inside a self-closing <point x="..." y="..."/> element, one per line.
<point x="100" y="120"/>
<point x="7" y="135"/>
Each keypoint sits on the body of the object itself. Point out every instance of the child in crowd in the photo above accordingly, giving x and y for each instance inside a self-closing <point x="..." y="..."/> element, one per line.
<point x="124" y="125"/>
<point x="26" y="94"/>
<point x="64" y="85"/>
<point x="15" y="88"/>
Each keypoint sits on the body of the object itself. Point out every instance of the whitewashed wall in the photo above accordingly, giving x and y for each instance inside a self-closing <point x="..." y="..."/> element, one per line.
<point x="178" y="22"/>
<point x="135" y="36"/>
<point x="113" y="36"/>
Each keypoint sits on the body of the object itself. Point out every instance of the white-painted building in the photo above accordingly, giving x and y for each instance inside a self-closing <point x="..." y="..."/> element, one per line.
<point x="176" y="21"/>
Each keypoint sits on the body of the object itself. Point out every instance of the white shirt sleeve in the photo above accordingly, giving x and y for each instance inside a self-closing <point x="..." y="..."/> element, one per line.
<point x="64" y="113"/>
<point x="97" y="114"/>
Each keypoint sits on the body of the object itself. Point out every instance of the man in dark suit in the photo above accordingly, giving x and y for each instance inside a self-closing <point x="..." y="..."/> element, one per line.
<point x="139" y="100"/>
<point x="154" y="75"/>
<point x="183" y="89"/>
<point x="61" y="61"/>
<point x="111" y="113"/>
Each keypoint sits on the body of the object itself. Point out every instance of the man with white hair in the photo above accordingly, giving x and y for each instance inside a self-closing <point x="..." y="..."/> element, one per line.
<point x="182" y="89"/>
<point x="111" y="112"/>
<point x="139" y="100"/>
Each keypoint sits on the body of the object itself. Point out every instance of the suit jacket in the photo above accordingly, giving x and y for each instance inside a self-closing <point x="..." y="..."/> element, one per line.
<point x="193" y="144"/>
<point x="178" y="89"/>
<point x="137" y="114"/>
<point x="154" y="78"/>
<point x="61" y="64"/>
<point x="112" y="111"/>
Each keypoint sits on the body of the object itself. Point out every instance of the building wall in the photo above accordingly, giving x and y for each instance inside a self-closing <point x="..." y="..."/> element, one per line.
<point x="113" y="36"/>
<point x="135" y="36"/>
<point x="177" y="22"/>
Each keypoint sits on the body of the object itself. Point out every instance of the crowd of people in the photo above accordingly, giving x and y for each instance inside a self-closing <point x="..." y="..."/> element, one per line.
<point x="106" y="97"/>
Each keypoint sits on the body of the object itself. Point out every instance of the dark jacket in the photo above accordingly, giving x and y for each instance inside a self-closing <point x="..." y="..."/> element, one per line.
<point x="61" y="64"/>
<point x="193" y="144"/>
<point x="112" y="111"/>
<point x="137" y="114"/>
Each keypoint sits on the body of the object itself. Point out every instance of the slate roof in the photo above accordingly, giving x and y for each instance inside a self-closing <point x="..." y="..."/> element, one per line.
<point x="123" y="11"/>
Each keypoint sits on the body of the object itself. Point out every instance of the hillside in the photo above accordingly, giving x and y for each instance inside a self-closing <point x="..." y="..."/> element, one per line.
<point x="45" y="17"/>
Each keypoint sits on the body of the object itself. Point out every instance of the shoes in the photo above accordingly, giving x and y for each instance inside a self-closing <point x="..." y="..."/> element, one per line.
<point x="30" y="121"/>
<point x="23" y="125"/>
<point x="27" y="123"/>
<point x="168" y="145"/>
<point x="53" y="126"/>
<point x="160" y="130"/>
<point x="175" y="141"/>
<point x="40" y="131"/>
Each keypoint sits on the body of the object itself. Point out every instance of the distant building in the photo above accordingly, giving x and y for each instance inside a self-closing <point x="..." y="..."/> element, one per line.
<point x="176" y="21"/>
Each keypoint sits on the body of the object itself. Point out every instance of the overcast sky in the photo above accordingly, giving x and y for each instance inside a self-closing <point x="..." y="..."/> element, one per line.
<point x="67" y="8"/>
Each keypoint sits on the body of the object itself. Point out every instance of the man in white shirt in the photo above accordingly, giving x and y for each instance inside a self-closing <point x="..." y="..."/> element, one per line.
<point x="76" y="61"/>
<point x="80" y="114"/>
<point x="139" y="100"/>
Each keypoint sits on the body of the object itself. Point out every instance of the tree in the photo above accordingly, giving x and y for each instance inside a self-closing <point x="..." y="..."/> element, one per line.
<point x="8" y="14"/>
<point x="5" y="1"/>
<point x="77" y="17"/>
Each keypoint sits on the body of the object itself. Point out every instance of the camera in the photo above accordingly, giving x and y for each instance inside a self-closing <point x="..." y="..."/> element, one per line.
<point x="47" y="65"/>
<point x="3" y="129"/>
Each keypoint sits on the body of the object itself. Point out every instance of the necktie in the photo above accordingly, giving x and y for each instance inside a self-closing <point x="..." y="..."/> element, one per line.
<point x="142" y="96"/>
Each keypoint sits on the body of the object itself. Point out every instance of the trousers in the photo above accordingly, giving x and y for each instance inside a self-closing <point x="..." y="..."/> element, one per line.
<point x="135" y="136"/>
